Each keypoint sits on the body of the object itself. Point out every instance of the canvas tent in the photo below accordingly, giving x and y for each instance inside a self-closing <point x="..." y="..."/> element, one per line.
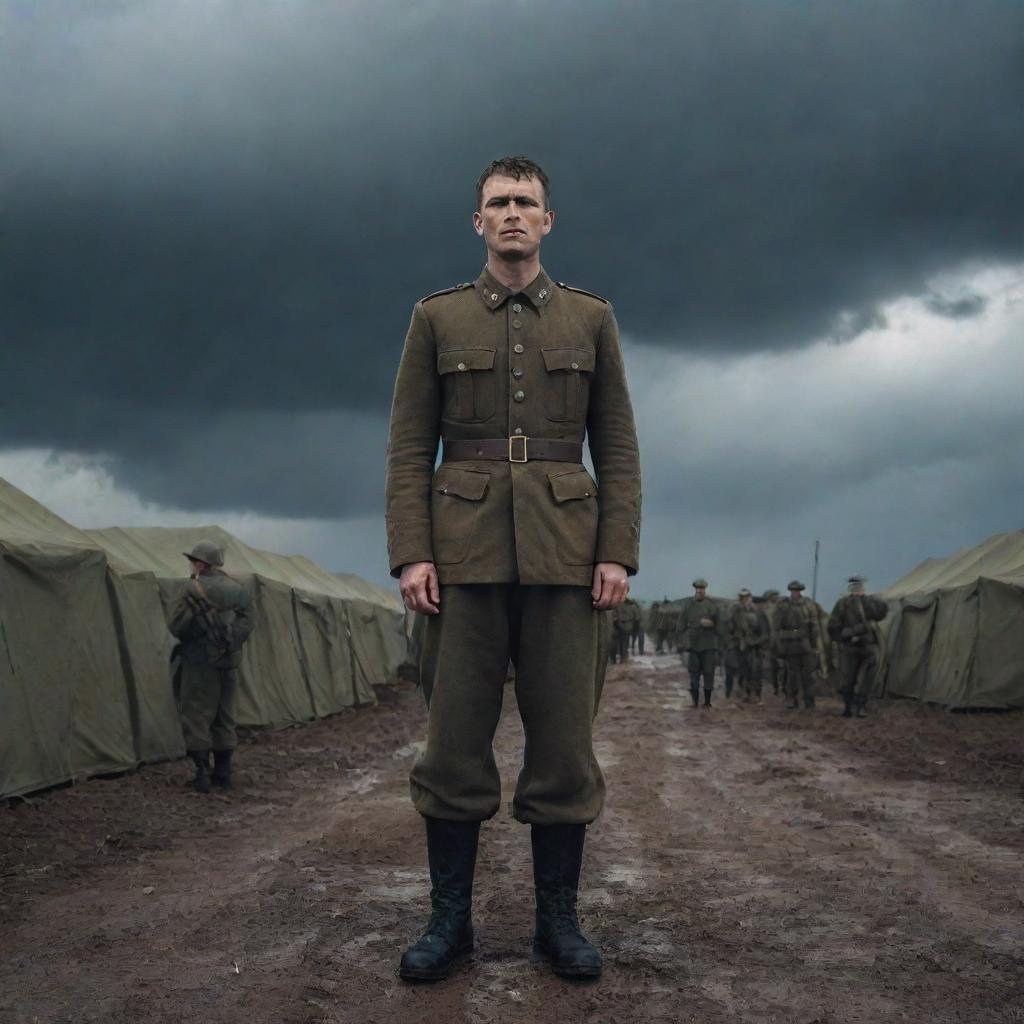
<point x="955" y="631"/>
<point x="84" y="649"/>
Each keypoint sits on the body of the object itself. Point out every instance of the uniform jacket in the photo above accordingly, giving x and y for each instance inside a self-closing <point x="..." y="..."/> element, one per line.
<point x="212" y="617"/>
<point x="627" y="616"/>
<point x="748" y="627"/>
<point x="697" y="637"/>
<point x="851" y="624"/>
<point x="482" y="362"/>
<point x="797" y="630"/>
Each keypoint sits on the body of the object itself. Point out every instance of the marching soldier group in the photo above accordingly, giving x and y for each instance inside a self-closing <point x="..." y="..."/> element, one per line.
<point x="788" y="642"/>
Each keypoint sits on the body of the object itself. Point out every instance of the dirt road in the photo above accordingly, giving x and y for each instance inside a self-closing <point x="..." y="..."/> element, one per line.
<point x="753" y="864"/>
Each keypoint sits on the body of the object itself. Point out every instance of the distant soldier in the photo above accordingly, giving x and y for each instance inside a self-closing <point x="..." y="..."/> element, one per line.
<point x="698" y="625"/>
<point x="853" y="627"/>
<point x="664" y="622"/>
<point x="623" y="620"/>
<point x="212" y="620"/>
<point x="750" y="633"/>
<point x="797" y="634"/>
<point x="776" y="667"/>
<point x="636" y="641"/>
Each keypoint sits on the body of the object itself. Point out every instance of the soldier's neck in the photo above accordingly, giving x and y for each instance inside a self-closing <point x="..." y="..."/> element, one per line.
<point x="514" y="275"/>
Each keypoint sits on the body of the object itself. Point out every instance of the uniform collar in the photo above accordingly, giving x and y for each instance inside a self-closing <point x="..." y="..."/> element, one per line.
<point x="494" y="293"/>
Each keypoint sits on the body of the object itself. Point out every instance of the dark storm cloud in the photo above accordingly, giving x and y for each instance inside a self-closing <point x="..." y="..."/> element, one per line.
<point x="961" y="307"/>
<point x="217" y="215"/>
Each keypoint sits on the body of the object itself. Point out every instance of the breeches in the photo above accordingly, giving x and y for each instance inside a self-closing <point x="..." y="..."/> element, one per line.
<point x="701" y="664"/>
<point x="800" y="676"/>
<point x="858" y="667"/>
<point x="206" y="707"/>
<point x="558" y="644"/>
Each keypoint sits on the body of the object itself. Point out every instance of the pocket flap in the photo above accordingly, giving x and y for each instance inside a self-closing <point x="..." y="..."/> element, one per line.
<point x="572" y="485"/>
<point x="470" y="484"/>
<point x="460" y="360"/>
<point x="568" y="359"/>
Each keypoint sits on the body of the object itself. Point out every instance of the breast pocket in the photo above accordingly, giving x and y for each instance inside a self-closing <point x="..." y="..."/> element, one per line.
<point x="456" y="499"/>
<point x="470" y="389"/>
<point x="567" y="386"/>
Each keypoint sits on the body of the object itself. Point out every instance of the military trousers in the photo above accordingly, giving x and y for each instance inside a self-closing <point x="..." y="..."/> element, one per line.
<point x="206" y="707"/>
<point x="858" y="667"/>
<point x="800" y="670"/>
<point x="558" y="644"/>
<point x="701" y="665"/>
<point x="751" y="671"/>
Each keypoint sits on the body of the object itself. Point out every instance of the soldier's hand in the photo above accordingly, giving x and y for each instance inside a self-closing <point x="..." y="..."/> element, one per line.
<point x="420" y="589"/>
<point x="611" y="585"/>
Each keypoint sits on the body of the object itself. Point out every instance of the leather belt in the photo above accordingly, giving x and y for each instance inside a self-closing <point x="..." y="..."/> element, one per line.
<point x="513" y="449"/>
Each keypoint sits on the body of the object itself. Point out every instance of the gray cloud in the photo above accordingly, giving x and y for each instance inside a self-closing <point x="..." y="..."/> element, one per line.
<point x="960" y="307"/>
<point x="217" y="215"/>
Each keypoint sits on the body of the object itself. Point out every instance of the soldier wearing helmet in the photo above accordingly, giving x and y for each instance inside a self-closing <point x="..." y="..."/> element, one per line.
<point x="698" y="623"/>
<point x="797" y="633"/>
<point x="212" y="620"/>
<point x="852" y="626"/>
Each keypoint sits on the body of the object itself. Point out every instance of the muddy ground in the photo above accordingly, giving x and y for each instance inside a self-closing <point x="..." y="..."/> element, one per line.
<point x="753" y="864"/>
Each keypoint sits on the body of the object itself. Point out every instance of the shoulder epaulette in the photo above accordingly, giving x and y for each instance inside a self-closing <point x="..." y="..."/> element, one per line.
<point x="581" y="291"/>
<point x="447" y="291"/>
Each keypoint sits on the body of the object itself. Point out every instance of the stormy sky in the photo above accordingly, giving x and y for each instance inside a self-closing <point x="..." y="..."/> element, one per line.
<point x="216" y="216"/>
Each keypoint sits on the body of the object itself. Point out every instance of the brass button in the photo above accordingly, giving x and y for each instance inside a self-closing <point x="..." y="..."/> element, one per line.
<point x="494" y="296"/>
<point x="517" y="308"/>
<point x="517" y="372"/>
<point x="518" y="349"/>
<point x="586" y="494"/>
<point x="519" y="396"/>
<point x="444" y="490"/>
<point x="575" y="366"/>
<point x="518" y="430"/>
<point x="461" y="366"/>
<point x="517" y="324"/>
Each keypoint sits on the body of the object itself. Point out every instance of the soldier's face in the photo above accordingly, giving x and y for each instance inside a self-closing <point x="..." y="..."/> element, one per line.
<point x="699" y="592"/>
<point x="512" y="219"/>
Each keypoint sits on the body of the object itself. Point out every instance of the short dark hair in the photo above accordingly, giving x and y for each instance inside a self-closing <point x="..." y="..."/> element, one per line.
<point x="513" y="167"/>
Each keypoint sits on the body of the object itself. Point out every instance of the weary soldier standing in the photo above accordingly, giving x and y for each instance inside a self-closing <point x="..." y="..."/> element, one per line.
<point x="797" y="634"/>
<point x="513" y="551"/>
<point x="852" y="626"/>
<point x="212" y="620"/>
<point x="698" y="624"/>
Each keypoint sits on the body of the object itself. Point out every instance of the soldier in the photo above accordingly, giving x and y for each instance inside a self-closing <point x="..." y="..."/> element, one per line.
<point x="852" y="627"/>
<point x="776" y="666"/>
<point x="698" y="624"/>
<point x="750" y="633"/>
<point x="636" y="640"/>
<point x="212" y="620"/>
<point x="798" y="637"/>
<point x="622" y="631"/>
<point x="512" y="549"/>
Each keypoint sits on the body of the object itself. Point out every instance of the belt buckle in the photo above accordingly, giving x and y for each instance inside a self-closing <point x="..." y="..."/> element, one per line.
<point x="512" y="452"/>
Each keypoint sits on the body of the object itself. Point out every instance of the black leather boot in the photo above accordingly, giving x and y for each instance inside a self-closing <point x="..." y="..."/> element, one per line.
<point x="695" y="694"/>
<point x="201" y="759"/>
<point x="451" y="852"/>
<point x="862" y="707"/>
<point x="707" y="697"/>
<point x="847" y="707"/>
<point x="557" y="860"/>
<point x="222" y="768"/>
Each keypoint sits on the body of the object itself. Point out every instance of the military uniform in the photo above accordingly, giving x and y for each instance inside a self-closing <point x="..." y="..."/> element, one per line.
<point x="750" y="633"/>
<point x="797" y="635"/>
<point x="212" y="619"/>
<point x="852" y="627"/>
<point x="510" y="382"/>
<point x="626" y="620"/>
<point x="698" y="625"/>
